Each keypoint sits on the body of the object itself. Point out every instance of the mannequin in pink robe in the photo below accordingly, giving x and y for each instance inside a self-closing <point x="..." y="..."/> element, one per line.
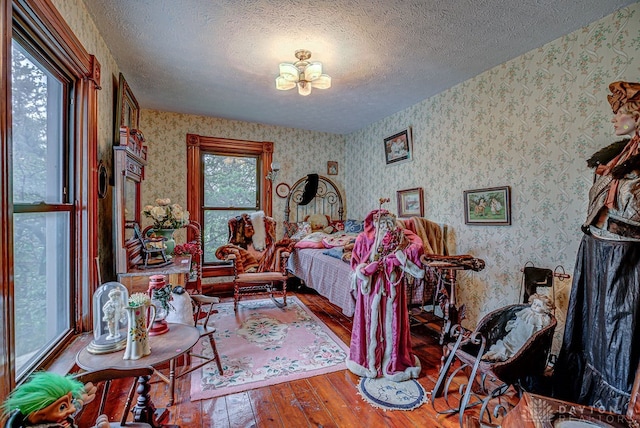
<point x="384" y="258"/>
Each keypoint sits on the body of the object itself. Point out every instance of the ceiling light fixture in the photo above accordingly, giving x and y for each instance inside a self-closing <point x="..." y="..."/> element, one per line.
<point x="303" y="74"/>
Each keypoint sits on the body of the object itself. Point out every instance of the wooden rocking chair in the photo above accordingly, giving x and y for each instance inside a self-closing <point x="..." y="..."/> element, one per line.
<point x="255" y="269"/>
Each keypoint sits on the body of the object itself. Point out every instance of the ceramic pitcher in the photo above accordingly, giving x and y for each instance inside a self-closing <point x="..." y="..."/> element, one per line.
<point x="138" y="332"/>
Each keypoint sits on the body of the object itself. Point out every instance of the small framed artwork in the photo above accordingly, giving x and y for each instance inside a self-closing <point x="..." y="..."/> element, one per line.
<point x="398" y="147"/>
<point x="411" y="202"/>
<point x="488" y="207"/>
<point x="332" y="168"/>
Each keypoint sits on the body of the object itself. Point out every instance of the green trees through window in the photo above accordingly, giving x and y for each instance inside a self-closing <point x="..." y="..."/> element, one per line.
<point x="42" y="219"/>
<point x="230" y="188"/>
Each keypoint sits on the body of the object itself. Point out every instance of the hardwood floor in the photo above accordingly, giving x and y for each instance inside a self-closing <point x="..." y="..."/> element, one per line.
<point x="328" y="400"/>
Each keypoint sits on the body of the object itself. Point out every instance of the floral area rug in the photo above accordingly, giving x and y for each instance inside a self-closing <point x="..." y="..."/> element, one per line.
<point x="385" y="394"/>
<point x="263" y="345"/>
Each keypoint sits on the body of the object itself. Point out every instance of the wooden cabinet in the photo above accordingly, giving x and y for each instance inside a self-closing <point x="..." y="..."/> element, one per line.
<point x="129" y="159"/>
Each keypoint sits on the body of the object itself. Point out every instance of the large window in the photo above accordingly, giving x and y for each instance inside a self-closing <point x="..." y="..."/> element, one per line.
<point x="231" y="186"/>
<point x="48" y="187"/>
<point x="226" y="178"/>
<point x="42" y="228"/>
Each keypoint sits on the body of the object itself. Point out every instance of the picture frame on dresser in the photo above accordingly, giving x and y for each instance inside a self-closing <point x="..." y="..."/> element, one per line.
<point x="398" y="147"/>
<point x="488" y="207"/>
<point x="411" y="202"/>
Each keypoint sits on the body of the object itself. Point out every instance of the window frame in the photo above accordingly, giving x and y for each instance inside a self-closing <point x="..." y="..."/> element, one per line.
<point x="65" y="203"/>
<point x="196" y="145"/>
<point x="40" y="20"/>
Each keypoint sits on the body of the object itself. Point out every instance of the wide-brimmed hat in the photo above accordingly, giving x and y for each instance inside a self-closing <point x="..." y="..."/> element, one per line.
<point x="622" y="93"/>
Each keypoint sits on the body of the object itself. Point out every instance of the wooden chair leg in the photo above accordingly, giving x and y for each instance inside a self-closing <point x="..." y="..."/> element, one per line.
<point x="127" y="406"/>
<point x="212" y="341"/>
<point x="236" y="296"/>
<point x="172" y="381"/>
<point x="284" y="292"/>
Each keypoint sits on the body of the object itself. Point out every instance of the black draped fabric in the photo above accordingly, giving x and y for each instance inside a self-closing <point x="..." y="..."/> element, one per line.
<point x="601" y="345"/>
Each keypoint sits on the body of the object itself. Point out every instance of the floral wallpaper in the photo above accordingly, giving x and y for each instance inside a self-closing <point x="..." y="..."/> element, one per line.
<point x="299" y="152"/>
<point x="530" y="124"/>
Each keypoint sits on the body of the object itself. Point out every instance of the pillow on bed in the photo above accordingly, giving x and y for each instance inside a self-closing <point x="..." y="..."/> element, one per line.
<point x="338" y="240"/>
<point x="309" y="244"/>
<point x="313" y="240"/>
<point x="302" y="229"/>
<point x="353" y="226"/>
<point x="338" y="225"/>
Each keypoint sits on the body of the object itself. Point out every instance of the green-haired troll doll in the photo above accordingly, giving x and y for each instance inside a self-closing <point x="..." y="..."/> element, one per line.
<point x="48" y="400"/>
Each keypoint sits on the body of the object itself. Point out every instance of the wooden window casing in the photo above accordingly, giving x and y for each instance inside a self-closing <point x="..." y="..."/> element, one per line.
<point x="41" y="20"/>
<point x="196" y="145"/>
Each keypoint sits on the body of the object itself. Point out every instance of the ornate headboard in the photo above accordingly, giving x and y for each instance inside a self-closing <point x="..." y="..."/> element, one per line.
<point x="327" y="200"/>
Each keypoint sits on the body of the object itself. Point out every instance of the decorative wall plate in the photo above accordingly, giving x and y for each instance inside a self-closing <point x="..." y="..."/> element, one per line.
<point x="283" y="190"/>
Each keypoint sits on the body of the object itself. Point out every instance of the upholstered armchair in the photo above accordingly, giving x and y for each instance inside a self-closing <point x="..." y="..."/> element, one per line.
<point x="259" y="262"/>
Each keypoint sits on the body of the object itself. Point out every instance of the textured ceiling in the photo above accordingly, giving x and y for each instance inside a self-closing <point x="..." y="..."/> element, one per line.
<point x="220" y="57"/>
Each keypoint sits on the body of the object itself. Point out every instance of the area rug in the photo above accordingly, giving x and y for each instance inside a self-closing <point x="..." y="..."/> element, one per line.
<point x="263" y="345"/>
<point x="387" y="395"/>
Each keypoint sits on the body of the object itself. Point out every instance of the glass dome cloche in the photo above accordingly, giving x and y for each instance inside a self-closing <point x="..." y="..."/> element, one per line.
<point x="109" y="318"/>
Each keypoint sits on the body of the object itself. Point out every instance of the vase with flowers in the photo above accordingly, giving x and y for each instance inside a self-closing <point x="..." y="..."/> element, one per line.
<point x="195" y="251"/>
<point x="166" y="217"/>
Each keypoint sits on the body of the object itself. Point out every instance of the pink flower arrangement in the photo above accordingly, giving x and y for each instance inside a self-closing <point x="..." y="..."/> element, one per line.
<point x="188" y="248"/>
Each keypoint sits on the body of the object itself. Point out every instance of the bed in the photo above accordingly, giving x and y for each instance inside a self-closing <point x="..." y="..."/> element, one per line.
<point x="330" y="275"/>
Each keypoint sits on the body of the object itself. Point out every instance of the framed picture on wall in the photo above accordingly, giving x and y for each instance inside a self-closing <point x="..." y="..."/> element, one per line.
<point x="411" y="202"/>
<point x="488" y="207"/>
<point x="332" y="168"/>
<point x="127" y="108"/>
<point x="398" y="147"/>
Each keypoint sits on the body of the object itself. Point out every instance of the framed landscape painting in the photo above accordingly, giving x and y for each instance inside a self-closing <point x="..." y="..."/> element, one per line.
<point x="488" y="207"/>
<point x="411" y="202"/>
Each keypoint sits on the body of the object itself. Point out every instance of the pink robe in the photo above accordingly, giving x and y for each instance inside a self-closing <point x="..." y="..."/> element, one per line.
<point x="380" y="338"/>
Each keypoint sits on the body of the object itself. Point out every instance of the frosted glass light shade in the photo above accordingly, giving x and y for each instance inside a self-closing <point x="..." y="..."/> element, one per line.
<point x="304" y="88"/>
<point x="284" y="84"/>
<point x="313" y="71"/>
<point x="322" y="82"/>
<point x="289" y="72"/>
